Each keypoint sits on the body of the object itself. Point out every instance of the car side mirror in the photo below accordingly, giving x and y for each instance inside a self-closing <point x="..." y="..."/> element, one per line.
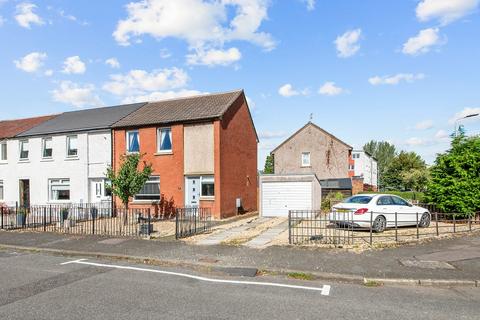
<point x="410" y="204"/>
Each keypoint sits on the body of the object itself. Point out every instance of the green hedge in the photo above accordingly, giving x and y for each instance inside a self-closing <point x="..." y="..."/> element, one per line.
<point x="409" y="195"/>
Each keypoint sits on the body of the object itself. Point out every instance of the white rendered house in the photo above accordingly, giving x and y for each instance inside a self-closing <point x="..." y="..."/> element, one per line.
<point x="365" y="166"/>
<point x="62" y="160"/>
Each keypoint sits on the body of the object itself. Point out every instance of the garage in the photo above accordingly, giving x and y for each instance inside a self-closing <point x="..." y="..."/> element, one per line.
<point x="280" y="193"/>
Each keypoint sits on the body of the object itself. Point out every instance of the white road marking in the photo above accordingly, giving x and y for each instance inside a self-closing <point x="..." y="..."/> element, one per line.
<point x="324" y="290"/>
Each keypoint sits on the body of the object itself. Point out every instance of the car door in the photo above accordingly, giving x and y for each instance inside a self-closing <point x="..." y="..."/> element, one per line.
<point x="385" y="206"/>
<point x="407" y="215"/>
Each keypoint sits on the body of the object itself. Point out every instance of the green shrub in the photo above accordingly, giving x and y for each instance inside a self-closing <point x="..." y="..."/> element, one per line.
<point x="330" y="200"/>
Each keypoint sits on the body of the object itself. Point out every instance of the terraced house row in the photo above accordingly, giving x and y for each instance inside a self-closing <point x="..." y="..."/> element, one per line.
<point x="203" y="152"/>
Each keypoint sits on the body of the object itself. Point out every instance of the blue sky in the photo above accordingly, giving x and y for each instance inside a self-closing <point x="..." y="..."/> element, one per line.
<point x="397" y="70"/>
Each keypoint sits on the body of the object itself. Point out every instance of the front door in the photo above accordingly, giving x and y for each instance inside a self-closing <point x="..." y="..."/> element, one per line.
<point x="96" y="190"/>
<point x="24" y="193"/>
<point x="192" y="191"/>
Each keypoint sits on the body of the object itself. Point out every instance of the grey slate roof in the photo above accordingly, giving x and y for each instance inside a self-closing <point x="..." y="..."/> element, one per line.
<point x="202" y="107"/>
<point x="342" y="183"/>
<point x="83" y="120"/>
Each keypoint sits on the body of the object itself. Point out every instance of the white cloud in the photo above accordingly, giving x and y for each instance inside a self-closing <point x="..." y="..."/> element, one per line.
<point x="445" y="11"/>
<point x="310" y="4"/>
<point x="416" y="142"/>
<point x="76" y="95"/>
<point x="2" y="21"/>
<point x="396" y="79"/>
<point x="165" y="54"/>
<point x="26" y="16"/>
<point x="138" y="82"/>
<point x="113" y="62"/>
<point x="198" y="22"/>
<point x="214" y="57"/>
<point x="424" y="125"/>
<point x="465" y="112"/>
<point x="442" y="134"/>
<point x="423" y="42"/>
<point x="330" y="89"/>
<point x="73" y="65"/>
<point x="48" y="73"/>
<point x="31" y="62"/>
<point x="159" y="95"/>
<point x="347" y="44"/>
<point x="272" y="134"/>
<point x="287" y="91"/>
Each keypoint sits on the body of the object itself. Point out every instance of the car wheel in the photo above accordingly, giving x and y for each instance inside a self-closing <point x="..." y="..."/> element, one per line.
<point x="379" y="224"/>
<point x="424" y="221"/>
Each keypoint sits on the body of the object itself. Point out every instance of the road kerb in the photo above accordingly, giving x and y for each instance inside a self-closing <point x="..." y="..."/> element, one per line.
<point x="203" y="266"/>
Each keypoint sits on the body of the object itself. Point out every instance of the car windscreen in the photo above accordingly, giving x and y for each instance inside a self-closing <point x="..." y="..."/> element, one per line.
<point x="359" y="199"/>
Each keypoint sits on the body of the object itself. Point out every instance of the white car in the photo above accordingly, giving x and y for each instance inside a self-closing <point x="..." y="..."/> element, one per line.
<point x="380" y="211"/>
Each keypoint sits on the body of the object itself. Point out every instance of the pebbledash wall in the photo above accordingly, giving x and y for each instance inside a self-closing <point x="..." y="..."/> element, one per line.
<point x="223" y="148"/>
<point x="77" y="172"/>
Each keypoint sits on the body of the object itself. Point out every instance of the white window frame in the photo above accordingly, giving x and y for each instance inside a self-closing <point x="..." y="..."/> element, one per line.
<point x="44" y="140"/>
<point x="127" y="141"/>
<point x="3" y="154"/>
<point x="21" y="143"/>
<point x="61" y="182"/>
<point x="304" y="163"/>
<point x="2" y="192"/>
<point x="151" y="180"/>
<point x="159" y="140"/>
<point x="68" y="146"/>
<point x="209" y="179"/>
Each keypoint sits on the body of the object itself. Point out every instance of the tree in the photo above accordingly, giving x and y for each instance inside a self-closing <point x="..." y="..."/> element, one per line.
<point x="455" y="183"/>
<point x="384" y="152"/>
<point x="269" y="165"/>
<point x="405" y="171"/>
<point x="129" y="179"/>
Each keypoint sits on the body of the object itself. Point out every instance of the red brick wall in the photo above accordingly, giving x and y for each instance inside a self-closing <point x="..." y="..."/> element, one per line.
<point x="168" y="167"/>
<point x="238" y="160"/>
<point x="357" y="185"/>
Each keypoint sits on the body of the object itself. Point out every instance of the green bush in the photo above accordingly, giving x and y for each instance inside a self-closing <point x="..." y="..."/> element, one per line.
<point x="331" y="199"/>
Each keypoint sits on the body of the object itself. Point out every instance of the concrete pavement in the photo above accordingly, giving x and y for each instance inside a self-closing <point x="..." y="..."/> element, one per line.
<point x="39" y="286"/>
<point x="402" y="263"/>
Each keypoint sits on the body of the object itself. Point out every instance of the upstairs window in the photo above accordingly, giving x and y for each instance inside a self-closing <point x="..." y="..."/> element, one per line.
<point x="59" y="189"/>
<point x="24" y="150"/>
<point x="150" y="190"/>
<point x="3" y="151"/>
<point x="133" y="141"/>
<point x="306" y="159"/>
<point x="72" y="147"/>
<point x="47" y="149"/>
<point x="164" y="137"/>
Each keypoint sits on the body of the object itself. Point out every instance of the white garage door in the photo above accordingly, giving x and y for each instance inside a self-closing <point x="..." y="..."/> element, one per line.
<point x="280" y="197"/>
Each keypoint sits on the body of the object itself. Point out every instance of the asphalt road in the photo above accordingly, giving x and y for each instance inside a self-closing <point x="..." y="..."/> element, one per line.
<point x="38" y="286"/>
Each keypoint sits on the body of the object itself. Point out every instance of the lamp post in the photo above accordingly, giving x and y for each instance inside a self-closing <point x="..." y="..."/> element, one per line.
<point x="466" y="117"/>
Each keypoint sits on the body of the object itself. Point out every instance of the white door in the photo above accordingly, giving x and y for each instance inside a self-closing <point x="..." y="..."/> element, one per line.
<point x="280" y="197"/>
<point x="192" y="191"/>
<point x="96" y="190"/>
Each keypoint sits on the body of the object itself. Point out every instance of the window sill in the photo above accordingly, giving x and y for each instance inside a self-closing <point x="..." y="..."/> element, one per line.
<point x="145" y="201"/>
<point x="46" y="160"/>
<point x="207" y="198"/>
<point x="163" y="153"/>
<point x="306" y="166"/>
<point x="24" y="161"/>
<point x="72" y="158"/>
<point x="3" y="162"/>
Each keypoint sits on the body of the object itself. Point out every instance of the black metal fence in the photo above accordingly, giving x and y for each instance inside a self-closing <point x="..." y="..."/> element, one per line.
<point x="341" y="228"/>
<point x="85" y="219"/>
<point x="192" y="221"/>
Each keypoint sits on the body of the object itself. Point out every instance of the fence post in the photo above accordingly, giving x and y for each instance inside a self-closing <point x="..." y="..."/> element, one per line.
<point x="371" y="226"/>
<point x="176" y="224"/>
<point x="396" y="227"/>
<point x="436" y="222"/>
<point x="93" y="220"/>
<point x="44" y="219"/>
<point x="418" y="235"/>
<point x="1" y="217"/>
<point x="289" y="227"/>
<point x="195" y="213"/>
<point x="470" y="223"/>
<point x="149" y="222"/>
<point x="454" y="224"/>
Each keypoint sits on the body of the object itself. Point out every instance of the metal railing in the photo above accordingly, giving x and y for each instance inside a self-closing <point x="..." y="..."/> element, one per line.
<point x="192" y="221"/>
<point x="340" y="228"/>
<point x="84" y="219"/>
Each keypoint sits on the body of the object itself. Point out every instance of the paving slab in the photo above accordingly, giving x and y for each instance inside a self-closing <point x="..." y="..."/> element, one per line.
<point x="219" y="237"/>
<point x="267" y="236"/>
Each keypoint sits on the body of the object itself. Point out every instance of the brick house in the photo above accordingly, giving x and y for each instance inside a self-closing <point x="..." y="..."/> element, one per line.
<point x="203" y="152"/>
